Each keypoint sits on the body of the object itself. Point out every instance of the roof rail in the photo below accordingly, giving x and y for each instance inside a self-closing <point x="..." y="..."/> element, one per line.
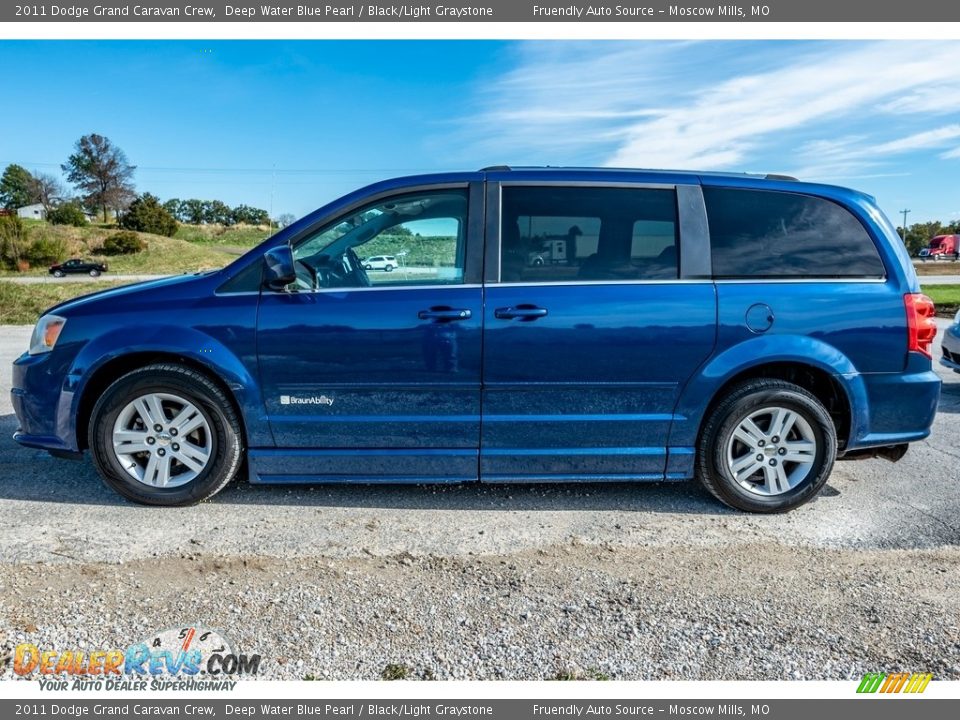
<point x="777" y="176"/>
<point x="495" y="168"/>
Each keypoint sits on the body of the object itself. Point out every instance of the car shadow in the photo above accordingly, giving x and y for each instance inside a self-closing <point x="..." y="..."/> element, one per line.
<point x="34" y="476"/>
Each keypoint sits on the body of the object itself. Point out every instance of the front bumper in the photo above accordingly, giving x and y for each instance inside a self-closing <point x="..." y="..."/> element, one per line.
<point x="950" y="347"/>
<point x="42" y="402"/>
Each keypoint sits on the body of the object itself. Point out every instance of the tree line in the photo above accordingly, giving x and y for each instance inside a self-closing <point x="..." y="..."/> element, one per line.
<point x="102" y="178"/>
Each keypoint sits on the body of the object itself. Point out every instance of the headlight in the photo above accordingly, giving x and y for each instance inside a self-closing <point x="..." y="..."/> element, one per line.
<point x="46" y="333"/>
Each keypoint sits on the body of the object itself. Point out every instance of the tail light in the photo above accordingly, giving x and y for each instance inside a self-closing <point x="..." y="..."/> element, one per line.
<point x="921" y="325"/>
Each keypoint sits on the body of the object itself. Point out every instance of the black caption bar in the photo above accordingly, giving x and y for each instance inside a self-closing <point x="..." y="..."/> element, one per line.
<point x="853" y="709"/>
<point x="485" y="11"/>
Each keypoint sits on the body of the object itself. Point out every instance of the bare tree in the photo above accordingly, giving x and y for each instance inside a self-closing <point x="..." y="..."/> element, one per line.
<point x="46" y="190"/>
<point x="100" y="170"/>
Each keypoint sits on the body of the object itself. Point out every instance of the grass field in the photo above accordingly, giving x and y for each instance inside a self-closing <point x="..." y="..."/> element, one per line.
<point x="23" y="304"/>
<point x="239" y="236"/>
<point x="163" y="255"/>
<point x="945" y="297"/>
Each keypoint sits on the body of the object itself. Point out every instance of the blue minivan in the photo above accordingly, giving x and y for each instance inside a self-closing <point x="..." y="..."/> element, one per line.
<point x="540" y="325"/>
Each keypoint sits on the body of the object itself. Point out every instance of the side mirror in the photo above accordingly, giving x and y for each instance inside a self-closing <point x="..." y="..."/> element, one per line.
<point x="279" y="271"/>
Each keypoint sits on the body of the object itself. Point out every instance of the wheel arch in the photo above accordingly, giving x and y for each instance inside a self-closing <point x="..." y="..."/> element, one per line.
<point x="805" y="361"/>
<point x="821" y="384"/>
<point x="112" y="354"/>
<point x="115" y="368"/>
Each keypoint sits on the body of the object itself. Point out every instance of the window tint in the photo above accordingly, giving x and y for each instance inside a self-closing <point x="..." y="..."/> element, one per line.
<point x="555" y="234"/>
<point x="756" y="233"/>
<point x="416" y="239"/>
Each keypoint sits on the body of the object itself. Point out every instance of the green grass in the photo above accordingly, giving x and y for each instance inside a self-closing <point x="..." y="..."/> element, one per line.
<point x="395" y="671"/>
<point x="945" y="297"/>
<point x="163" y="255"/>
<point x="588" y="674"/>
<point x="240" y="236"/>
<point x="23" y="304"/>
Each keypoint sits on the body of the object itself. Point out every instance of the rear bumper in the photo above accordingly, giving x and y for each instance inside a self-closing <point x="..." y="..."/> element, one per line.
<point x="899" y="408"/>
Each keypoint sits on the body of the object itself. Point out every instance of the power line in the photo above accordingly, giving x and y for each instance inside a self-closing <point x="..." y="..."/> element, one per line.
<point x="291" y="171"/>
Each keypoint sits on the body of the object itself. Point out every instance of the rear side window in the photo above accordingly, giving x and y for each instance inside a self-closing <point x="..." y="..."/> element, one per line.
<point x="590" y="234"/>
<point x="764" y="234"/>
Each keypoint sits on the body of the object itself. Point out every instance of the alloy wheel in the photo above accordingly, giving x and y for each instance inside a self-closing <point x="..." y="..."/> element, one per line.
<point x="162" y="440"/>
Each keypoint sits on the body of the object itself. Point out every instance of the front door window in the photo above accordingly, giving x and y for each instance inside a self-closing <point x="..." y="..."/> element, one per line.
<point x="415" y="239"/>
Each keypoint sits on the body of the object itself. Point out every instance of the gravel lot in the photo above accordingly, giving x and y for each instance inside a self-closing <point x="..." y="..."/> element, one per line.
<point x="628" y="582"/>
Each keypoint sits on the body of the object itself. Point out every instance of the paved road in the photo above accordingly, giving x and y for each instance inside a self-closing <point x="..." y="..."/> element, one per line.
<point x="940" y="280"/>
<point x="44" y="279"/>
<point x="58" y="510"/>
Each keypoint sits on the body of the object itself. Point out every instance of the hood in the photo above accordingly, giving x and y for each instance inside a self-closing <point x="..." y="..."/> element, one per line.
<point x="178" y="282"/>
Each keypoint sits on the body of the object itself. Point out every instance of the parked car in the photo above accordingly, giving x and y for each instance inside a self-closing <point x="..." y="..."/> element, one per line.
<point x="744" y="330"/>
<point x="950" y="346"/>
<point x="942" y="246"/>
<point x="74" y="266"/>
<point x="380" y="262"/>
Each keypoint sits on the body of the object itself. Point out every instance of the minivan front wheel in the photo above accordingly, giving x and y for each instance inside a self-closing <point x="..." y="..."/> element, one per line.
<point x="165" y="435"/>
<point x="768" y="446"/>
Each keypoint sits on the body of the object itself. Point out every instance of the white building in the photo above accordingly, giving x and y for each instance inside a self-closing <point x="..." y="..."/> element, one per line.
<point x="32" y="212"/>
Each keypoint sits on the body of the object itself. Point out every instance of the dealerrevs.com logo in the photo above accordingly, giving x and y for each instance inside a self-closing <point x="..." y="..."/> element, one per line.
<point x="183" y="658"/>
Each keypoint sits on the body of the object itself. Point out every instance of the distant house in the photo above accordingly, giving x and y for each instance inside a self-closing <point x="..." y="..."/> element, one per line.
<point x="32" y="212"/>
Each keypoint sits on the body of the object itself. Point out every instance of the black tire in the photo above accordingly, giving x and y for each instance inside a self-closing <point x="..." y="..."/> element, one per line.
<point x="94" y="273"/>
<point x="389" y="268"/>
<point x="217" y="409"/>
<point x="58" y="273"/>
<point x="712" y="467"/>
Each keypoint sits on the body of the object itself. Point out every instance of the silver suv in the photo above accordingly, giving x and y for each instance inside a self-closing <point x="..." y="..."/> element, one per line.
<point x="380" y="262"/>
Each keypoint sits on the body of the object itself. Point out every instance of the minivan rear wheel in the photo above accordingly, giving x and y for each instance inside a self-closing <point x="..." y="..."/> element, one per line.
<point x="768" y="446"/>
<point x="165" y="434"/>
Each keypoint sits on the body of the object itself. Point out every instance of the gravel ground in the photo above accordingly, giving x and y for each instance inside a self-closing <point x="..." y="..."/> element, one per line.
<point x="564" y="611"/>
<point x="619" y="581"/>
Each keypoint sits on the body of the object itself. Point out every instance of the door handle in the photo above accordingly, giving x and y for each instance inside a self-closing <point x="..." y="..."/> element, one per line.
<point x="525" y="313"/>
<point x="445" y="314"/>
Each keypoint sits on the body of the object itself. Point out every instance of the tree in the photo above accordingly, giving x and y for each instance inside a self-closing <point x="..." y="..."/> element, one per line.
<point x="123" y="243"/>
<point x="192" y="211"/>
<point x="218" y="212"/>
<point x="286" y="219"/>
<point x="68" y="213"/>
<point x="100" y="170"/>
<point x="146" y="214"/>
<point x="15" y="187"/>
<point x="13" y="242"/>
<point x="174" y="206"/>
<point x="46" y="190"/>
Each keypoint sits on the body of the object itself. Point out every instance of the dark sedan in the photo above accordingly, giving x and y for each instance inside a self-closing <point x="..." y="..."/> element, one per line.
<point x="87" y="267"/>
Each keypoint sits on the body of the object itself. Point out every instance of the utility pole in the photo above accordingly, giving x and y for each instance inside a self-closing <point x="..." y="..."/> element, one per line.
<point x="273" y="185"/>
<point x="905" y="213"/>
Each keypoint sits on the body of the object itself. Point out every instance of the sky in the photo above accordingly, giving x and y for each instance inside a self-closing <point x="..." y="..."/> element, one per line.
<point x="291" y="125"/>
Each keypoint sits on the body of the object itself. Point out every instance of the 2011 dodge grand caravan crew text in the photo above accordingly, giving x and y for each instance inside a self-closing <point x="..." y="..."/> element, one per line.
<point x="545" y="325"/>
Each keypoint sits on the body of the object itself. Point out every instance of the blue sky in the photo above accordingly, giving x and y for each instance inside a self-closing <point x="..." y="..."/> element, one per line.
<point x="304" y="122"/>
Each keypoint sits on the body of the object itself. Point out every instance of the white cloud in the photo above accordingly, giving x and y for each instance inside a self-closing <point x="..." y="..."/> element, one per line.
<point x="706" y="106"/>
<point x="951" y="154"/>
<point x="919" y="141"/>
